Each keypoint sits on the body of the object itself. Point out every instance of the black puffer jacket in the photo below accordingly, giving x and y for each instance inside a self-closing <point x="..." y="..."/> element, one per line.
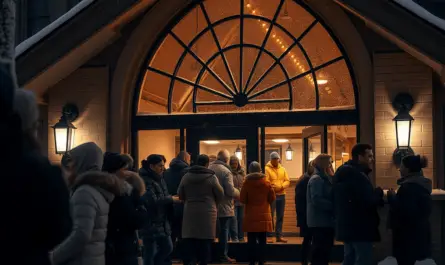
<point x="158" y="202"/>
<point x="355" y="204"/>
<point x="174" y="174"/>
<point x="126" y="215"/>
<point x="410" y="219"/>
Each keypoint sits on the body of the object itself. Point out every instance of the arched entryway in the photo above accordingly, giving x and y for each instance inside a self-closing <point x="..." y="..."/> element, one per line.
<point x="302" y="81"/>
<point x="328" y="78"/>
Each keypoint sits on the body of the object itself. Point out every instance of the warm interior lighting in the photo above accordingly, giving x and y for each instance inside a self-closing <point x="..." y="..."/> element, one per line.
<point x="289" y="153"/>
<point x="322" y="81"/>
<point x="280" y="141"/>
<point x="312" y="153"/>
<point x="212" y="142"/>
<point x="239" y="153"/>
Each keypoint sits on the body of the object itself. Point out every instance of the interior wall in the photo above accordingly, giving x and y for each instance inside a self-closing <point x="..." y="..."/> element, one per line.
<point x="161" y="142"/>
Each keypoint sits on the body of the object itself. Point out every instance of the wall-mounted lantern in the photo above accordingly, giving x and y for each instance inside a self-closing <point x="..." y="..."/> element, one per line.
<point x="64" y="129"/>
<point x="403" y="103"/>
<point x="239" y="153"/>
<point x="289" y="153"/>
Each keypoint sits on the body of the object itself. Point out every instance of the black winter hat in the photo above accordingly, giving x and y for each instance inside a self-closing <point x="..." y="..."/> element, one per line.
<point x="113" y="162"/>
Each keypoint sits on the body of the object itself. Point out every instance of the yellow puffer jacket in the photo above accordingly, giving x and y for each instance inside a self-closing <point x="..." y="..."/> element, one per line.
<point x="277" y="176"/>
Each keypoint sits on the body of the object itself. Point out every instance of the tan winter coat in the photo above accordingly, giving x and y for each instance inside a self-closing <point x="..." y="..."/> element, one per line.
<point x="90" y="203"/>
<point x="225" y="178"/>
<point x="201" y="192"/>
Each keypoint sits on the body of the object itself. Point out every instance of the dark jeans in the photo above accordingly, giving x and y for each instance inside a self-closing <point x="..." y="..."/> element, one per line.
<point x="223" y="236"/>
<point x="256" y="243"/>
<point x="278" y="207"/>
<point x="177" y="241"/>
<point x="322" y="243"/>
<point x="157" y="250"/>
<point x="358" y="253"/>
<point x="198" y="250"/>
<point x="236" y="224"/>
<point x="307" y="244"/>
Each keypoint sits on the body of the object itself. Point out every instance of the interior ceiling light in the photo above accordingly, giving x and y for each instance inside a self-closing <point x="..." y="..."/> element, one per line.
<point x="322" y="81"/>
<point x="285" y="14"/>
<point x="211" y="142"/>
<point x="280" y="141"/>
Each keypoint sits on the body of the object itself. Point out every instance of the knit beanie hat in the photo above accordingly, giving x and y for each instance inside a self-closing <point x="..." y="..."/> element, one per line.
<point x="113" y="162"/>
<point x="274" y="155"/>
<point x="254" y="167"/>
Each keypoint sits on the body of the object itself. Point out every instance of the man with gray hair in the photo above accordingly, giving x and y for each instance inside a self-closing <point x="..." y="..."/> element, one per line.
<point x="226" y="209"/>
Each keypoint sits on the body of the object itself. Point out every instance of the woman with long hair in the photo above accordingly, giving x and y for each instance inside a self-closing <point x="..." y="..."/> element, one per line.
<point x="301" y="209"/>
<point x="320" y="209"/>
<point x="410" y="212"/>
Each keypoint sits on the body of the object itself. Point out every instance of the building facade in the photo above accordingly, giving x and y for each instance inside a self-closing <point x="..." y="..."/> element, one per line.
<point x="252" y="76"/>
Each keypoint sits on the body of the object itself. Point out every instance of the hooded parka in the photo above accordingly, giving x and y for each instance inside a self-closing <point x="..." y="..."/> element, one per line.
<point x="201" y="192"/>
<point x="92" y="193"/>
<point x="257" y="194"/>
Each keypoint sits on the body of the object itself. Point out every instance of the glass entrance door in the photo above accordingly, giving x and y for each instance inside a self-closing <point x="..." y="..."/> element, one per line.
<point x="240" y="141"/>
<point x="314" y="143"/>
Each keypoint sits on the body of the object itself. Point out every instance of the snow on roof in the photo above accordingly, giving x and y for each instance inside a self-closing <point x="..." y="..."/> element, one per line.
<point x="422" y="12"/>
<point x="31" y="41"/>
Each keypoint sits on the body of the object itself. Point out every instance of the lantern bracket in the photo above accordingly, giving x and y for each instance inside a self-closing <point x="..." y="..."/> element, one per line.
<point x="70" y="112"/>
<point x="399" y="154"/>
<point x="403" y="102"/>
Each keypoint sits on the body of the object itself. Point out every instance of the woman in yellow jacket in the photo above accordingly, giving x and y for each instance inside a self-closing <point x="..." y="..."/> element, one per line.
<point x="277" y="176"/>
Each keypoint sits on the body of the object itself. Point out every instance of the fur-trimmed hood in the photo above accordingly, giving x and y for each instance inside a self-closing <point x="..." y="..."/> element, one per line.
<point x="101" y="181"/>
<point x="133" y="181"/>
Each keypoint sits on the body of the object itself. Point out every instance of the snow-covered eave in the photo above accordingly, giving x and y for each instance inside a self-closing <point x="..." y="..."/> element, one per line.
<point x="46" y="31"/>
<point x="422" y="13"/>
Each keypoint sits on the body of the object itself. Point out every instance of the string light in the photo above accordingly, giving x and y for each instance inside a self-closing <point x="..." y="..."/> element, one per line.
<point x="283" y="46"/>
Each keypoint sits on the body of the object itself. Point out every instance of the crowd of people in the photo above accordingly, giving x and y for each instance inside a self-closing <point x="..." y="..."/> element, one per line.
<point x="343" y="205"/>
<point x="100" y="210"/>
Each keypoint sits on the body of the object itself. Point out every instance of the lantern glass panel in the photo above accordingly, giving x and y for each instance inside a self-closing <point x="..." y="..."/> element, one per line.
<point x="289" y="155"/>
<point x="61" y="135"/>
<point x="403" y="133"/>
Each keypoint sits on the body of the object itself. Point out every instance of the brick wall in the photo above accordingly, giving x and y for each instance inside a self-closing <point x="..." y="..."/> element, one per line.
<point x="395" y="73"/>
<point x="88" y="89"/>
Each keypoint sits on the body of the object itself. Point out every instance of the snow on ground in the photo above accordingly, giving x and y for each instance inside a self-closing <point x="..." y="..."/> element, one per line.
<point x="31" y="41"/>
<point x="422" y="12"/>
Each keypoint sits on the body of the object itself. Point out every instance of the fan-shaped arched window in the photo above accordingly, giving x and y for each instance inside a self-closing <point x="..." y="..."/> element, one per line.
<point x="246" y="55"/>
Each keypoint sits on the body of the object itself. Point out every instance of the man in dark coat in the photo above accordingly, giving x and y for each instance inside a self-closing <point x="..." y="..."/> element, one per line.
<point x="156" y="232"/>
<point x="356" y="202"/>
<point x="173" y="176"/>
